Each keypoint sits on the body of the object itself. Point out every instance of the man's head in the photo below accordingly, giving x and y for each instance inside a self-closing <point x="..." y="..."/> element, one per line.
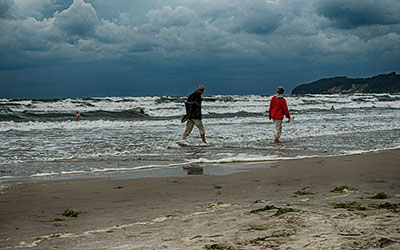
<point x="200" y="89"/>
<point x="280" y="90"/>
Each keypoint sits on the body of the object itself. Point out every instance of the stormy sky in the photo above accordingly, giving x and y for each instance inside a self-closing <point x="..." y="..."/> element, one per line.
<point x="83" y="48"/>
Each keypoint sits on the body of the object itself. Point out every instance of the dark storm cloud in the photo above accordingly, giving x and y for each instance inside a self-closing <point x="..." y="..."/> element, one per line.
<point x="253" y="43"/>
<point x="349" y="14"/>
<point x="259" y="19"/>
<point x="261" y="25"/>
<point x="80" y="19"/>
<point x="54" y="6"/>
<point x="5" y="6"/>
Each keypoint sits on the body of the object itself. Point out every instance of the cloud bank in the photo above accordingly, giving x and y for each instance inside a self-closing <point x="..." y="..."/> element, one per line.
<point x="165" y="47"/>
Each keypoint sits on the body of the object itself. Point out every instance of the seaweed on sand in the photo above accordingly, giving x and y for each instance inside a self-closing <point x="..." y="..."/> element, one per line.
<point x="263" y="239"/>
<point x="281" y="210"/>
<point x="266" y="208"/>
<point x="217" y="247"/>
<point x="350" y="206"/>
<point x="71" y="213"/>
<point x="386" y="205"/>
<point x="175" y="181"/>
<point x="343" y="189"/>
<point x="284" y="210"/>
<point x="259" y="201"/>
<point x="57" y="220"/>
<point x="213" y="204"/>
<point x="379" y="196"/>
<point x="300" y="192"/>
<point x="258" y="228"/>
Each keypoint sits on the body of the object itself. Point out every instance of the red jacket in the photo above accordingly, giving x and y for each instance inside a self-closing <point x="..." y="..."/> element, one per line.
<point x="278" y="108"/>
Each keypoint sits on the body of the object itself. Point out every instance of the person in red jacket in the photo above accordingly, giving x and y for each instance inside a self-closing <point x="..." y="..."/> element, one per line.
<point x="278" y="108"/>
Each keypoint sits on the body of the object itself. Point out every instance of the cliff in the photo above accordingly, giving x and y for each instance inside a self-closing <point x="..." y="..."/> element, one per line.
<point x="387" y="83"/>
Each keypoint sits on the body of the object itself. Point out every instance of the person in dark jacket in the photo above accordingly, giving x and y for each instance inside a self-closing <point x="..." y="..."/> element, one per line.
<point x="278" y="108"/>
<point x="193" y="113"/>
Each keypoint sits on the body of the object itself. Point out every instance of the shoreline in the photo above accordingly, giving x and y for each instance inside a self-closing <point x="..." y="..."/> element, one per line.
<point x="152" y="170"/>
<point x="193" y="212"/>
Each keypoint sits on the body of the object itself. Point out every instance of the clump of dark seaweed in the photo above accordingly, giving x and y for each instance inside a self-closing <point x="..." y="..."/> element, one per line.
<point x="278" y="213"/>
<point x="284" y="210"/>
<point x="217" y="247"/>
<point x="386" y="205"/>
<point x="257" y="228"/>
<point x="379" y="196"/>
<point x="350" y="206"/>
<point x="57" y="220"/>
<point x="71" y="213"/>
<point x="300" y="192"/>
<point x="263" y="239"/>
<point x="175" y="181"/>
<point x="259" y="201"/>
<point x="266" y="208"/>
<point x="343" y="189"/>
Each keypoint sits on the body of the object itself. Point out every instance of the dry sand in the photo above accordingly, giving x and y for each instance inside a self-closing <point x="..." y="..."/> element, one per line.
<point x="236" y="211"/>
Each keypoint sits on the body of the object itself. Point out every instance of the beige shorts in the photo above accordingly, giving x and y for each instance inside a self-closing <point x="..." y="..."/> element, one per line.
<point x="189" y="126"/>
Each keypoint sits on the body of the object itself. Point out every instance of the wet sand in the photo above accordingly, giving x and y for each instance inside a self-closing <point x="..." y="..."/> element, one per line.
<point x="283" y="205"/>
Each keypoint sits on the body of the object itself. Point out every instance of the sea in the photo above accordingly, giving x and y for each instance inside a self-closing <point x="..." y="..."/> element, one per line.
<point x="129" y="137"/>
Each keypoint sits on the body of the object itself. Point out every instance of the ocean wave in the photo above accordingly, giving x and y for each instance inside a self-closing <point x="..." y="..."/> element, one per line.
<point x="233" y="114"/>
<point x="170" y="99"/>
<point x="9" y="115"/>
<point x="166" y="107"/>
<point x="140" y="130"/>
<point x="111" y="115"/>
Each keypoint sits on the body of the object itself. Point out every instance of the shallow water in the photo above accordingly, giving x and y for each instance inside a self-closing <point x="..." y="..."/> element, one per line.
<point x="126" y="134"/>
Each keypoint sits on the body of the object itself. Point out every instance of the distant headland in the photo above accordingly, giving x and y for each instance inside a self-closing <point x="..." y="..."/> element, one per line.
<point x="386" y="83"/>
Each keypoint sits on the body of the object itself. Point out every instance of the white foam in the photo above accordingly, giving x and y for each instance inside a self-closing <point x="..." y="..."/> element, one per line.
<point x="231" y="139"/>
<point x="45" y="174"/>
<point x="79" y="125"/>
<point x="6" y="177"/>
<point x="247" y="159"/>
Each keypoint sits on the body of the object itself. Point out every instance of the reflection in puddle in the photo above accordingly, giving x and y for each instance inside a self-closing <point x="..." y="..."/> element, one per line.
<point x="193" y="170"/>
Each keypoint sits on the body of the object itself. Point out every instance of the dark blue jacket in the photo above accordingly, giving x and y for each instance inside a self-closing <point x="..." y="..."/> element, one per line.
<point x="193" y="106"/>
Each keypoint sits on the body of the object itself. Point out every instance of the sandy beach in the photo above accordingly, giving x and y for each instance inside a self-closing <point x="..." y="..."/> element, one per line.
<point x="347" y="202"/>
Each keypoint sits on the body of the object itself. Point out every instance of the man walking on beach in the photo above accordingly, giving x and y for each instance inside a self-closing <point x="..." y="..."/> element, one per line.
<point x="193" y="113"/>
<point x="278" y="108"/>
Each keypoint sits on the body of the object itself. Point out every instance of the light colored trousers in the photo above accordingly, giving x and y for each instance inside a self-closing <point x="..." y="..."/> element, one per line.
<point x="189" y="126"/>
<point x="278" y="128"/>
